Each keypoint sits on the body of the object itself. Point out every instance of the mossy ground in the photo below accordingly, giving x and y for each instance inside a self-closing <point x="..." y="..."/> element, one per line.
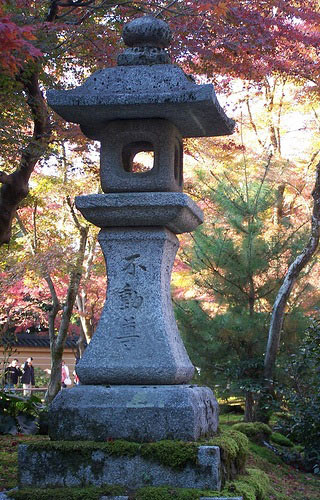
<point x="285" y="482"/>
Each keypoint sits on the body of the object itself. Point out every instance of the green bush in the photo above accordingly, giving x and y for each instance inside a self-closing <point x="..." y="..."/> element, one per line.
<point x="41" y="377"/>
<point x="302" y="423"/>
<point x="18" y="414"/>
<point x="255" y="431"/>
<point x="280" y="439"/>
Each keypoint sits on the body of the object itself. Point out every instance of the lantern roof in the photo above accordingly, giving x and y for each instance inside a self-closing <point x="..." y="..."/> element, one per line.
<point x="143" y="85"/>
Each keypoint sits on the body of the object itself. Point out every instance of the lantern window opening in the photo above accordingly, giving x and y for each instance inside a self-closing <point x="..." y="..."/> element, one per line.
<point x="138" y="157"/>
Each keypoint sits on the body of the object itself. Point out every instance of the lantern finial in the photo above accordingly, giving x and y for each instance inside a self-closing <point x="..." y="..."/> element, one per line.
<point x="146" y="38"/>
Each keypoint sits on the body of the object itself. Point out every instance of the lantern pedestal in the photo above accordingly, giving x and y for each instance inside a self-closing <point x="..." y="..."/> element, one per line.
<point x="137" y="340"/>
<point x="135" y="371"/>
<point x="134" y="413"/>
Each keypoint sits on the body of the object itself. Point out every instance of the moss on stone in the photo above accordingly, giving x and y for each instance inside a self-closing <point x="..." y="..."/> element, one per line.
<point x="254" y="485"/>
<point x="280" y="439"/>
<point x="85" y="448"/>
<point x="256" y="431"/>
<point x="168" y="493"/>
<point x="174" y="454"/>
<point x="89" y="493"/>
<point x="233" y="448"/>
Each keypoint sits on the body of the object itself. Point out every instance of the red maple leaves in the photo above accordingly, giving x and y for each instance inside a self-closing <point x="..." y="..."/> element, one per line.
<point x="16" y="43"/>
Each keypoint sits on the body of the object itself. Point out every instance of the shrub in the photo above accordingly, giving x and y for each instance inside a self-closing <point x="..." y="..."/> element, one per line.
<point x="255" y="431"/>
<point x="19" y="415"/>
<point x="302" y="423"/>
<point x="280" y="439"/>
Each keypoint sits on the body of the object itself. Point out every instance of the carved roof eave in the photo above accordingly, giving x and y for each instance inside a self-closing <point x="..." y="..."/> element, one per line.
<point x="155" y="91"/>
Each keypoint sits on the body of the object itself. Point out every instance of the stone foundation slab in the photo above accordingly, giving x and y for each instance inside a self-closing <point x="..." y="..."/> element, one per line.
<point x="50" y="467"/>
<point x="133" y="413"/>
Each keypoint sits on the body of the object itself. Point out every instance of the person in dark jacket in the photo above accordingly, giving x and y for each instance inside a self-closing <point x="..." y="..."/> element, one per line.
<point x="12" y="374"/>
<point x="27" y="377"/>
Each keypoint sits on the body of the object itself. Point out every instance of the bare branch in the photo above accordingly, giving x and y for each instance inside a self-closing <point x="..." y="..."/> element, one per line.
<point x="252" y="123"/>
<point x="74" y="216"/>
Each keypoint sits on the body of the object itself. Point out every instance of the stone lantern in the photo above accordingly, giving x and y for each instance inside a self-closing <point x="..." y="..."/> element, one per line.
<point x="135" y="373"/>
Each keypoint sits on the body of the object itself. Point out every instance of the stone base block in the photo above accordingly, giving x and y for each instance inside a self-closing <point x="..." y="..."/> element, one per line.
<point x="133" y="413"/>
<point x="93" y="466"/>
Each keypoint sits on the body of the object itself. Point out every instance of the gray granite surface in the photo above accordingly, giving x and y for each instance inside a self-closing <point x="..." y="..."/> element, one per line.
<point x="175" y="211"/>
<point x="62" y="469"/>
<point x="130" y="92"/>
<point x="142" y="86"/>
<point x="137" y="340"/>
<point x="134" y="413"/>
<point x="147" y="39"/>
<point x="121" y="140"/>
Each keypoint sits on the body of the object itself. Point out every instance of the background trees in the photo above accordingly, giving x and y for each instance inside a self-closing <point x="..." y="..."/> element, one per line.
<point x="258" y="218"/>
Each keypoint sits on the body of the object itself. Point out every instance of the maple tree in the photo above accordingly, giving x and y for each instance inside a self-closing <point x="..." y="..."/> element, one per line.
<point x="246" y="39"/>
<point x="41" y="275"/>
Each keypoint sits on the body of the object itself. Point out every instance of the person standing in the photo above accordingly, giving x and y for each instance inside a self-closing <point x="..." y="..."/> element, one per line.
<point x="65" y="375"/>
<point x="27" y="377"/>
<point x="12" y="374"/>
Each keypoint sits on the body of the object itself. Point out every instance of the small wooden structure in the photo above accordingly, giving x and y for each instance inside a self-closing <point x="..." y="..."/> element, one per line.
<point x="37" y="346"/>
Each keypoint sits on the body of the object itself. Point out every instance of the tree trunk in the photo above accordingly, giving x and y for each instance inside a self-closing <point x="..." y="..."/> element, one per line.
<point x="86" y="324"/>
<point x="81" y="344"/>
<point x="54" y="385"/>
<point x="249" y="408"/>
<point x="292" y="275"/>
<point x="85" y="321"/>
<point x="57" y="341"/>
<point x="15" y="186"/>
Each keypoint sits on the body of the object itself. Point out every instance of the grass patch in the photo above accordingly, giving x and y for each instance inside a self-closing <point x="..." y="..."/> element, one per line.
<point x="227" y="419"/>
<point x="286" y="482"/>
<point x="265" y="453"/>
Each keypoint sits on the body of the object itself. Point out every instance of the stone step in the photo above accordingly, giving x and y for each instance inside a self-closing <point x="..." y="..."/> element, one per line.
<point x="61" y="467"/>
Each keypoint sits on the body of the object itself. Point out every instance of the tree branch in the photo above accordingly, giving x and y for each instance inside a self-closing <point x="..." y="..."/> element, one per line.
<point x="291" y="277"/>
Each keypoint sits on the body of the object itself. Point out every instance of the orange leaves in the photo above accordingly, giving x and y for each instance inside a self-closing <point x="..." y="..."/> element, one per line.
<point x="219" y="8"/>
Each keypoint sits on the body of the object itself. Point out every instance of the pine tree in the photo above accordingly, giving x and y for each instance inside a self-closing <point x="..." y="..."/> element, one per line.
<point x="238" y="259"/>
